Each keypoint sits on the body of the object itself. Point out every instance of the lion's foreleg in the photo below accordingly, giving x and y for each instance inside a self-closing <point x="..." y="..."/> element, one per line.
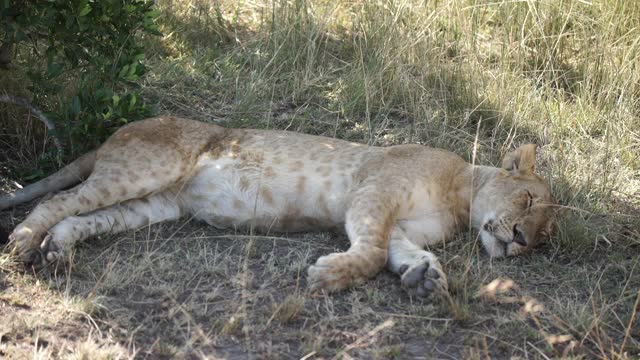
<point x="368" y="223"/>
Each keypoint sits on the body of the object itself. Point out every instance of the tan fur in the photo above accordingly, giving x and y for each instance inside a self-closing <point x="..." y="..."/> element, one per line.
<point x="392" y="201"/>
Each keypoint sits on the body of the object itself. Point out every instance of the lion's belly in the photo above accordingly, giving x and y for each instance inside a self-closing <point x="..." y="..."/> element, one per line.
<point x="230" y="192"/>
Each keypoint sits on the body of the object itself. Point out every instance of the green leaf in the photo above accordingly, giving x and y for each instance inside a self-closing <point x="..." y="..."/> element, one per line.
<point x="104" y="94"/>
<point x="123" y="71"/>
<point x="153" y="13"/>
<point x="132" y="101"/>
<point x="54" y="69"/>
<point x="70" y="21"/>
<point x="116" y="100"/>
<point x="85" y="10"/>
<point x="132" y="70"/>
<point x="75" y="106"/>
<point x="71" y="57"/>
<point x="20" y="35"/>
<point x="107" y="115"/>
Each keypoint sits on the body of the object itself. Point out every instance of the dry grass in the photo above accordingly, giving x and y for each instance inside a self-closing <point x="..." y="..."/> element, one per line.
<point x="561" y="74"/>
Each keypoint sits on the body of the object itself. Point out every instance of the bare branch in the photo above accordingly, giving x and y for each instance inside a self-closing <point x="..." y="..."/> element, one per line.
<point x="22" y="102"/>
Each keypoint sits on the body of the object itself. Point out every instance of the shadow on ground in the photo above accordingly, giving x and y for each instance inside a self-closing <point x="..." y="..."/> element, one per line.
<point x="184" y="289"/>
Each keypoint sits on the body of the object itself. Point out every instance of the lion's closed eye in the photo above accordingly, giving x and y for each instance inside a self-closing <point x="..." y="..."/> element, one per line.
<point x="529" y="200"/>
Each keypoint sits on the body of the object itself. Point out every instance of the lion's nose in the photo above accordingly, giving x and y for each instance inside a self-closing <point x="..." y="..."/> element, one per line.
<point x="518" y="236"/>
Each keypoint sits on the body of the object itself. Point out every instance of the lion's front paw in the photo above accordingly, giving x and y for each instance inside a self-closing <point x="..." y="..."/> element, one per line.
<point x="333" y="272"/>
<point x="424" y="278"/>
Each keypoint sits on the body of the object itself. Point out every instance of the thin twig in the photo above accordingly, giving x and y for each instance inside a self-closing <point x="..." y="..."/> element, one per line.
<point x="628" y="330"/>
<point x="22" y="102"/>
<point x="365" y="339"/>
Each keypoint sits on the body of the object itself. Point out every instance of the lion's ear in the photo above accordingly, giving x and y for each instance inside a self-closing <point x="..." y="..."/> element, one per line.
<point x="522" y="159"/>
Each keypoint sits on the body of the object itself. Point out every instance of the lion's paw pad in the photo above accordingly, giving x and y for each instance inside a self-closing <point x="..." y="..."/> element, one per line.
<point x="48" y="253"/>
<point x="423" y="279"/>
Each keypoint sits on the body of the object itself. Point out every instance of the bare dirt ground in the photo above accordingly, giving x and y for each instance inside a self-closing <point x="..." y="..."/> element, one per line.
<point x="185" y="290"/>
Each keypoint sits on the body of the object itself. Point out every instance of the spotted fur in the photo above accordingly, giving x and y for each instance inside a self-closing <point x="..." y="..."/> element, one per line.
<point x="392" y="201"/>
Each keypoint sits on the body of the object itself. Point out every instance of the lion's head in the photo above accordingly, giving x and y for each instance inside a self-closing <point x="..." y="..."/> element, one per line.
<point x="514" y="209"/>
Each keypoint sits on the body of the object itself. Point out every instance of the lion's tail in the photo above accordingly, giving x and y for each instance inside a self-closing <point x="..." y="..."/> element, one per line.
<point x="66" y="177"/>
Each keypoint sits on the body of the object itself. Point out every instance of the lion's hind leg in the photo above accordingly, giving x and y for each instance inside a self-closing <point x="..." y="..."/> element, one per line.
<point x="131" y="175"/>
<point x="128" y="215"/>
<point x="86" y="197"/>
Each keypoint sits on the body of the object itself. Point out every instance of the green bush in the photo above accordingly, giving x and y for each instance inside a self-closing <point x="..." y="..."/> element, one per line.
<point x="87" y="56"/>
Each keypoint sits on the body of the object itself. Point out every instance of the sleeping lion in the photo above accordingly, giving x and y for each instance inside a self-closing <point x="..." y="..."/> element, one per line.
<point x="392" y="201"/>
